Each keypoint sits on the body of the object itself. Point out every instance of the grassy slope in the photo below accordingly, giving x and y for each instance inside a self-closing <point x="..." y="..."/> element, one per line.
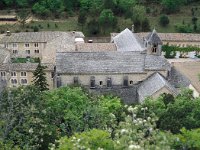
<point x="71" y="23"/>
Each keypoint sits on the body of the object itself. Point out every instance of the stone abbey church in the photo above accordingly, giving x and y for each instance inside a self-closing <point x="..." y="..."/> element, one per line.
<point x="128" y="66"/>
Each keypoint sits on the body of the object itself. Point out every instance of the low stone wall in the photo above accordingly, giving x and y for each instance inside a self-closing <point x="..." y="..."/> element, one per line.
<point x="127" y="94"/>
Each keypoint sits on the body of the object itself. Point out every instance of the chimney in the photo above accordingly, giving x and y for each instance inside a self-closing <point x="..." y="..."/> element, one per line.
<point x="133" y="28"/>
<point x="8" y="33"/>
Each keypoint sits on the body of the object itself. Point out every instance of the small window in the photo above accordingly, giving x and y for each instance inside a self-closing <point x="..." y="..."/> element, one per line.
<point x="28" y="51"/>
<point x="26" y="44"/>
<point x="75" y="80"/>
<point x="154" y="48"/>
<point x="37" y="51"/>
<point x="101" y="83"/>
<point x="52" y="74"/>
<point x="13" y="74"/>
<point x="131" y="82"/>
<point x="14" y="81"/>
<point x="92" y="82"/>
<point x="125" y="83"/>
<point x="24" y="81"/>
<point x="3" y="74"/>
<point x="36" y="44"/>
<point x="109" y="82"/>
<point x="6" y="45"/>
<point x="15" y="51"/>
<point x="14" y="45"/>
<point x="23" y="74"/>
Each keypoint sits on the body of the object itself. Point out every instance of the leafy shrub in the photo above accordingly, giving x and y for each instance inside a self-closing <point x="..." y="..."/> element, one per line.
<point x="183" y="28"/>
<point x="164" y="20"/>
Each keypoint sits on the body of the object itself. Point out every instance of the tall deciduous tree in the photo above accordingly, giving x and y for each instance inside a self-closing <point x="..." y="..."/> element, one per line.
<point x="107" y="19"/>
<point x="39" y="76"/>
<point x="23" y="15"/>
<point x="82" y="18"/>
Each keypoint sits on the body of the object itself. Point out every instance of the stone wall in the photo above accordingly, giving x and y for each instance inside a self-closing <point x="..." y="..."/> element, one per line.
<point x="116" y="79"/>
<point x="127" y="94"/>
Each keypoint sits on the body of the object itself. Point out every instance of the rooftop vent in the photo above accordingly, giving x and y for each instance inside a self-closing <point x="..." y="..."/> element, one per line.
<point x="8" y="33"/>
<point x="90" y="41"/>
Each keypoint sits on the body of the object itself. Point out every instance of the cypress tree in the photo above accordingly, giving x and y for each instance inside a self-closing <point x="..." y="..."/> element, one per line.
<point x="39" y="76"/>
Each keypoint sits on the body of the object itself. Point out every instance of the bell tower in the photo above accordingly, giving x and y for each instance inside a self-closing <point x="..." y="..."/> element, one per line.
<point x="153" y="44"/>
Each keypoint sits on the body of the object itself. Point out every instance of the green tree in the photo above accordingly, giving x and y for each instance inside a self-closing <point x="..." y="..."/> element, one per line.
<point x="164" y="20"/>
<point x="72" y="110"/>
<point x="82" y="18"/>
<point x="93" y="139"/>
<point x="171" y="6"/>
<point x="93" y="27"/>
<point x="145" y="25"/>
<point x="107" y="19"/>
<point x="39" y="77"/>
<point x="23" y="116"/>
<point x="23" y="15"/>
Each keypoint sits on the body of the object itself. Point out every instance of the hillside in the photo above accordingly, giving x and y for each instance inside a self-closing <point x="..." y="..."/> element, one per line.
<point x="99" y="17"/>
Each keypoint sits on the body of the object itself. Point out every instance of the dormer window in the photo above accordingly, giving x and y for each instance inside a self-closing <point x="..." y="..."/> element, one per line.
<point x="154" y="48"/>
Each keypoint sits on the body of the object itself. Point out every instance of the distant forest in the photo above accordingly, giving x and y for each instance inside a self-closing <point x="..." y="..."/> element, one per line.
<point x="118" y="7"/>
<point x="102" y="16"/>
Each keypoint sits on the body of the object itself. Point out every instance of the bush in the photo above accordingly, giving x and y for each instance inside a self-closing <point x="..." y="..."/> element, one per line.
<point x="182" y="28"/>
<point x="35" y="29"/>
<point x="164" y="20"/>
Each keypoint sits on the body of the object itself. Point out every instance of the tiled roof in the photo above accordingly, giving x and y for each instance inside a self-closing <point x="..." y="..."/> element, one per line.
<point x="99" y="62"/>
<point x="24" y="67"/>
<point x="153" y="38"/>
<point x="4" y="55"/>
<point x="108" y="62"/>
<point x="153" y="62"/>
<point x="189" y="37"/>
<point x="127" y="41"/>
<point x="153" y="84"/>
<point x="37" y="36"/>
<point x="95" y="47"/>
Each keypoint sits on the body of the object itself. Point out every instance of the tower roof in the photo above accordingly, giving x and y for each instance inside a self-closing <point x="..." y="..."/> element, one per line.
<point x="153" y="38"/>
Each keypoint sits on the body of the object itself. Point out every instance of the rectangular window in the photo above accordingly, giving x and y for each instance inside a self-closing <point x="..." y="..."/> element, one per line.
<point x="36" y="44"/>
<point x="3" y="74"/>
<point x="92" y="82"/>
<point x="23" y="74"/>
<point x="75" y="80"/>
<point x="24" y="81"/>
<point x="125" y="83"/>
<point x="28" y="51"/>
<point x="6" y="45"/>
<point x="14" y="81"/>
<point x="13" y="74"/>
<point x="15" y="51"/>
<point x="37" y="51"/>
<point x="14" y="45"/>
<point x="27" y="45"/>
<point x="109" y="82"/>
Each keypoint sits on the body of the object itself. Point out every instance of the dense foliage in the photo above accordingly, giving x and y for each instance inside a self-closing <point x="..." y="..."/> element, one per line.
<point x="31" y="119"/>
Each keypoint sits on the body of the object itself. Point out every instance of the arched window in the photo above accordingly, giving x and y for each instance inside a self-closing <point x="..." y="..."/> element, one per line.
<point x="154" y="48"/>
